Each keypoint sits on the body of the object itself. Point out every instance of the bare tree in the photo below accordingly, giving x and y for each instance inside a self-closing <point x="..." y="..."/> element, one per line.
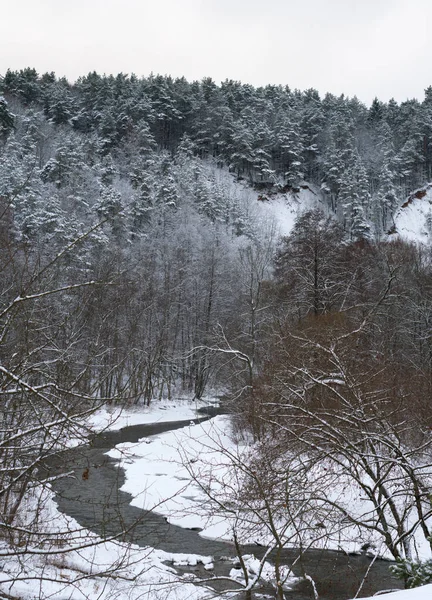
<point x="47" y="393"/>
<point x="356" y="415"/>
<point x="262" y="500"/>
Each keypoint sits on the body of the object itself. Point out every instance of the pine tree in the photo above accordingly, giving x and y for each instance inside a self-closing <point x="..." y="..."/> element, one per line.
<point x="311" y="117"/>
<point x="25" y="84"/>
<point x="386" y="195"/>
<point x="110" y="209"/>
<point x="143" y="202"/>
<point x="376" y="113"/>
<point x="59" y="104"/>
<point x="426" y="124"/>
<point x="289" y="150"/>
<point x="241" y="157"/>
<point x="355" y="201"/>
<point x="6" y="120"/>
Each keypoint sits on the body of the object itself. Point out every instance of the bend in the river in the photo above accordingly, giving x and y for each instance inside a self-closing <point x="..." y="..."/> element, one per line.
<point x="94" y="498"/>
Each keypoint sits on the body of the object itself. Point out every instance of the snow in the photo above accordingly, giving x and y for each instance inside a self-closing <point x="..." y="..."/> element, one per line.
<point x="162" y="473"/>
<point x="266" y="572"/>
<point x="267" y="207"/>
<point x="83" y="571"/>
<point x="168" y="472"/>
<point x="282" y="211"/>
<point x="115" y="418"/>
<point x="421" y="593"/>
<point x="413" y="220"/>
<point x="158" y="473"/>
<point x="88" y="568"/>
<point x="83" y="566"/>
<point x="286" y="208"/>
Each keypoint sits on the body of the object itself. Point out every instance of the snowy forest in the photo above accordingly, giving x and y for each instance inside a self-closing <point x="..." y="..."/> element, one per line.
<point x="142" y="259"/>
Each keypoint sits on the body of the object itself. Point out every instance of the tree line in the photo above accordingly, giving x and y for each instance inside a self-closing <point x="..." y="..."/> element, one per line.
<point x="365" y="159"/>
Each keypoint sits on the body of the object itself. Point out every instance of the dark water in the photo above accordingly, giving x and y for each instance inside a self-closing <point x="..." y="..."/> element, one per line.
<point x="93" y="498"/>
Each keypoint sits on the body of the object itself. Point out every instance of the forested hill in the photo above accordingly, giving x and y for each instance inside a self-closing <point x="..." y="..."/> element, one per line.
<point x="127" y="130"/>
<point x="133" y="247"/>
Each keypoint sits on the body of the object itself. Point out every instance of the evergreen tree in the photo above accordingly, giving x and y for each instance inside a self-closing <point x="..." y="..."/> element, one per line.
<point x="386" y="195"/>
<point x="143" y="201"/>
<point x="426" y="123"/>
<point x="376" y="113"/>
<point x="59" y="104"/>
<point x="289" y="150"/>
<point x="312" y="120"/>
<point x="241" y="157"/>
<point x="6" y="120"/>
<point x="355" y="201"/>
<point x="110" y="209"/>
<point x="25" y="84"/>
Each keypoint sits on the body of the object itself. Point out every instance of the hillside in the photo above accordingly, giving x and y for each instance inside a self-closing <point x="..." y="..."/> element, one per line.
<point x="165" y="239"/>
<point x="413" y="220"/>
<point x="366" y="161"/>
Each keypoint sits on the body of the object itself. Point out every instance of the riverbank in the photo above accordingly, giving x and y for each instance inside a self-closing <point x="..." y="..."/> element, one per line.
<point x="84" y="564"/>
<point x="148" y="554"/>
<point x="156" y="473"/>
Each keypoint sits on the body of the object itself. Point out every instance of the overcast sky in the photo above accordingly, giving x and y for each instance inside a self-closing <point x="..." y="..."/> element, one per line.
<point x="365" y="48"/>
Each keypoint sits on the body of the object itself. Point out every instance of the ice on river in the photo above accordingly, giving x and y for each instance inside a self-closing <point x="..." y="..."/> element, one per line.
<point x="158" y="474"/>
<point x="164" y="473"/>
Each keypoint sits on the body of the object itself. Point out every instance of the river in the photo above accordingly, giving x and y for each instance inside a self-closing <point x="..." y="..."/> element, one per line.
<point x="93" y="497"/>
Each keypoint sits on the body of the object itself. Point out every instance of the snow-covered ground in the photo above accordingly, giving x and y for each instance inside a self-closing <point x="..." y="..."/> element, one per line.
<point x="176" y="471"/>
<point x="421" y="593"/>
<point x="114" y="418"/>
<point x="413" y="220"/>
<point x="160" y="473"/>
<point x="169" y="470"/>
<point x="82" y="566"/>
<point x="160" y="469"/>
<point x="286" y="208"/>
<point x="106" y="571"/>
<point x="267" y="207"/>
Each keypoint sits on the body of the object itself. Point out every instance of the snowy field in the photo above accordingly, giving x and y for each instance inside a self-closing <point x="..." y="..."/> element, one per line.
<point x="167" y="463"/>
<point x="160" y="472"/>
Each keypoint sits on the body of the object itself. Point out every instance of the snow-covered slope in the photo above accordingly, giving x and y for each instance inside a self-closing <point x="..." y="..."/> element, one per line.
<point x="286" y="207"/>
<point x="262" y="205"/>
<point x="278" y="206"/>
<point x="421" y="593"/>
<point x="413" y="220"/>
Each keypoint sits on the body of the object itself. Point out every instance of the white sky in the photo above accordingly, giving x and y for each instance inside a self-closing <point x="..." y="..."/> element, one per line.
<point x="358" y="47"/>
